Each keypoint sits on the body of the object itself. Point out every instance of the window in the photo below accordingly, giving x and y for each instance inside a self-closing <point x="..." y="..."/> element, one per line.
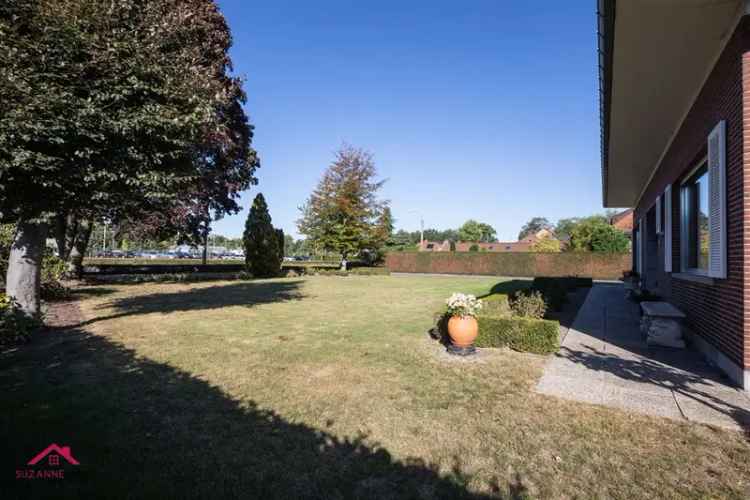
<point x="695" y="235"/>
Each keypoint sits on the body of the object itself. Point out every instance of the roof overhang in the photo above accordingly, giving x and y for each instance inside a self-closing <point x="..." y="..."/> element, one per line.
<point x="654" y="57"/>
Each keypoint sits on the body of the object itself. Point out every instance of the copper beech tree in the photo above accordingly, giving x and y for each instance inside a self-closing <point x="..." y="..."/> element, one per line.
<point x="107" y="108"/>
<point x="343" y="213"/>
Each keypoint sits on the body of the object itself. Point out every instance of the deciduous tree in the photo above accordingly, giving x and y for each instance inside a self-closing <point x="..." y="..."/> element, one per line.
<point x="105" y="106"/>
<point x="477" y="231"/>
<point x="342" y="213"/>
<point x="535" y="225"/>
<point x="546" y="245"/>
<point x="594" y="234"/>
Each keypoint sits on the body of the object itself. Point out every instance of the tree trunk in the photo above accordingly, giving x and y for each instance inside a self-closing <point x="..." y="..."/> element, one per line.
<point x="78" y="250"/>
<point x="66" y="232"/>
<point x="25" y="266"/>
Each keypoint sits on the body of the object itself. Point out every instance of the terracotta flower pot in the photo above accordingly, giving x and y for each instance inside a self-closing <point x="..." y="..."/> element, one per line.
<point x="462" y="330"/>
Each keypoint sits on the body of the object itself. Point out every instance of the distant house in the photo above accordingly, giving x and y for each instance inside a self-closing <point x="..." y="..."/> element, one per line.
<point x="434" y="246"/>
<point x="623" y="221"/>
<point x="523" y="245"/>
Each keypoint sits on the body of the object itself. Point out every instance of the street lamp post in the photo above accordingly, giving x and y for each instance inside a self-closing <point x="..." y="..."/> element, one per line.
<point x="421" y="226"/>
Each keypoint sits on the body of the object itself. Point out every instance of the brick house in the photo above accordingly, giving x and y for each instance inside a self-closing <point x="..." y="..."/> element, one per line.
<point x="675" y="103"/>
<point x="623" y="221"/>
<point x="434" y="246"/>
<point x="523" y="245"/>
<point x="496" y="246"/>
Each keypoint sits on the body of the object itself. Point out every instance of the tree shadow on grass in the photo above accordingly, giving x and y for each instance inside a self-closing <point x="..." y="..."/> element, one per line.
<point x="508" y="287"/>
<point x="246" y="293"/>
<point x="93" y="291"/>
<point x="143" y="429"/>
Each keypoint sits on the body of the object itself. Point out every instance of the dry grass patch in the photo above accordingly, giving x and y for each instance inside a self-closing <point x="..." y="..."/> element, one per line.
<point x="328" y="387"/>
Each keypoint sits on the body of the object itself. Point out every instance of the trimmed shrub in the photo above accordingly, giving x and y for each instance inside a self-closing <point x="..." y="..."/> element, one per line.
<point x="538" y="336"/>
<point x="329" y="271"/>
<point x="529" y="305"/>
<point x="554" y="291"/>
<point x="581" y="282"/>
<point x="497" y="304"/>
<point x="186" y="277"/>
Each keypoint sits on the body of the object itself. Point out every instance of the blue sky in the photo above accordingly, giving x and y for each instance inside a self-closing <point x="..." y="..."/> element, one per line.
<point x="480" y="109"/>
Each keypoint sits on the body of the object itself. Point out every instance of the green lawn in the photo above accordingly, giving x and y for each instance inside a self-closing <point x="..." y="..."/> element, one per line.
<point x="323" y="387"/>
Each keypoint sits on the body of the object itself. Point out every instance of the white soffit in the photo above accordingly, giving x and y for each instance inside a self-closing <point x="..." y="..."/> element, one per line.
<point x="663" y="53"/>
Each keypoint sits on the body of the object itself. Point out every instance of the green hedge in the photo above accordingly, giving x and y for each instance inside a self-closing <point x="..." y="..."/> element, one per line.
<point x="539" y="336"/>
<point x="517" y="264"/>
<point x="357" y="271"/>
<point x="496" y="305"/>
<point x="570" y="283"/>
<point x="555" y="289"/>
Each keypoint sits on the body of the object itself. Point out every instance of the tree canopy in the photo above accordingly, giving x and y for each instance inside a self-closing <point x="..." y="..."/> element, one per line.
<point x="594" y="234"/>
<point x="535" y="225"/>
<point x="343" y="214"/>
<point x="546" y="245"/>
<point x="477" y="231"/>
<point x="111" y="108"/>
<point x="105" y="104"/>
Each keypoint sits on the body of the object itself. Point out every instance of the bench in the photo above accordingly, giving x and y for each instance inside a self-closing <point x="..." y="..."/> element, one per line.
<point x="661" y="323"/>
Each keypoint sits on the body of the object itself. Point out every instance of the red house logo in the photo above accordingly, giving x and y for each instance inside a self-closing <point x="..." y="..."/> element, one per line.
<point x="54" y="452"/>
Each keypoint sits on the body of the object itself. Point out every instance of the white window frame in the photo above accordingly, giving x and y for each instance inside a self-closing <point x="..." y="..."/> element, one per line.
<point x="667" y="228"/>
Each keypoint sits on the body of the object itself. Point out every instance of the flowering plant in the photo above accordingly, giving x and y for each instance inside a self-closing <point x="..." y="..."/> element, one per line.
<point x="460" y="304"/>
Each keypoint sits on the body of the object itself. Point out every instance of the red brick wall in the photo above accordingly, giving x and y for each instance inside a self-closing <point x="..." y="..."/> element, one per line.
<point x="715" y="311"/>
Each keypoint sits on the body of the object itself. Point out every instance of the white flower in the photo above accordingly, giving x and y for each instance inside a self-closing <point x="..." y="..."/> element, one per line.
<point x="460" y="304"/>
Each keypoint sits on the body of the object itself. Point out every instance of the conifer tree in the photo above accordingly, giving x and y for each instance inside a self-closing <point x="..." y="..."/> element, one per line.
<point x="262" y="254"/>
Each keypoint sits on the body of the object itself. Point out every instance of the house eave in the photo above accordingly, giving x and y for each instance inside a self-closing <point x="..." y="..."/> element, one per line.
<point x="605" y="42"/>
<point x="654" y="58"/>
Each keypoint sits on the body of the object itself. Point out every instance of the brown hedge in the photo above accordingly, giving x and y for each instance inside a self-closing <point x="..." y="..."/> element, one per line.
<point x="592" y="265"/>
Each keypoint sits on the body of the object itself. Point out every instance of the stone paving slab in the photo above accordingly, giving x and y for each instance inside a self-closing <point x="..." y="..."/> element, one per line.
<point x="604" y="360"/>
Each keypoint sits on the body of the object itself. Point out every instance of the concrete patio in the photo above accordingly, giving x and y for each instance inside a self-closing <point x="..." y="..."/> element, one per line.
<point x="604" y="360"/>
